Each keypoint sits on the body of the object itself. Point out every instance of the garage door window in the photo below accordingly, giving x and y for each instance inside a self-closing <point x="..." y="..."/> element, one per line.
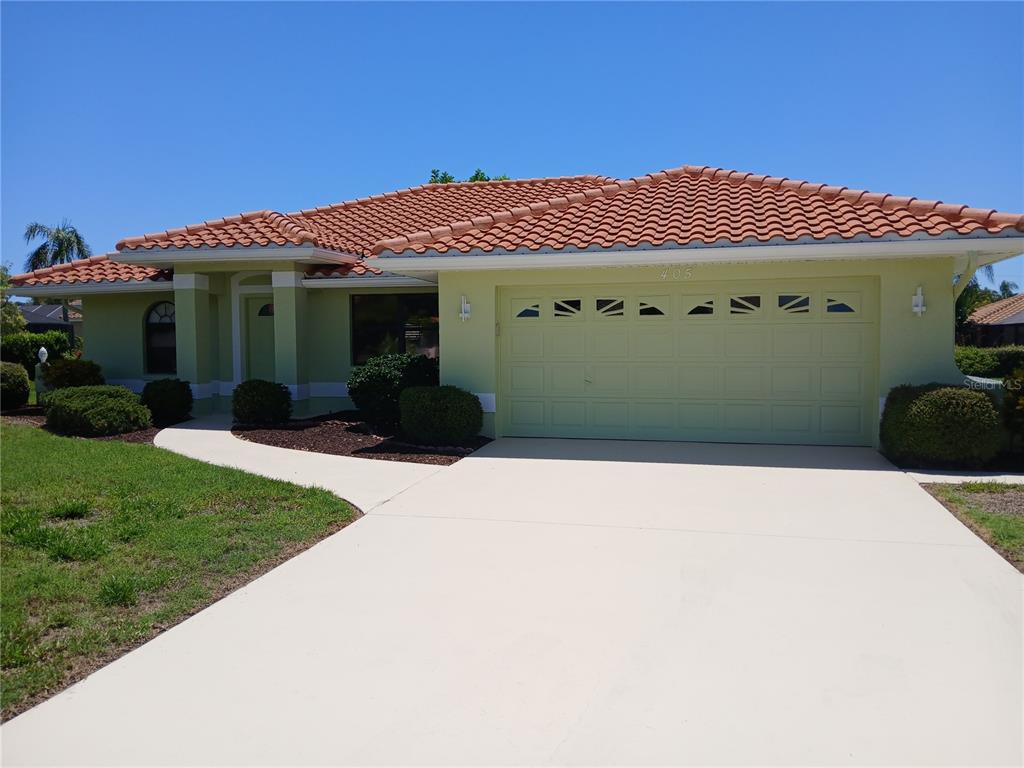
<point x="567" y="307"/>
<point x="841" y="304"/>
<point x="744" y="305"/>
<point x="794" y="303"/>
<point x="700" y="305"/>
<point x="652" y="306"/>
<point x="610" y="307"/>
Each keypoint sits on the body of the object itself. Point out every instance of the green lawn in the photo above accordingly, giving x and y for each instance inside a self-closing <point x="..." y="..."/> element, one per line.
<point x="105" y="544"/>
<point x="995" y="511"/>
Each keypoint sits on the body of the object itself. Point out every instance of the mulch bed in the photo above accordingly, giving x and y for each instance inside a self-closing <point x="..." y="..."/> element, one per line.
<point x="345" y="434"/>
<point x="32" y="416"/>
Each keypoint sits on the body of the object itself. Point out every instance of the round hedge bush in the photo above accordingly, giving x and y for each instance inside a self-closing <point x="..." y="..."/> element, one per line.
<point x="440" y="415"/>
<point x="261" y="402"/>
<point x="13" y="385"/>
<point x="376" y="385"/>
<point x="95" y="410"/>
<point x="940" y="426"/>
<point x="1013" y="403"/>
<point x="169" y="400"/>
<point x="59" y="374"/>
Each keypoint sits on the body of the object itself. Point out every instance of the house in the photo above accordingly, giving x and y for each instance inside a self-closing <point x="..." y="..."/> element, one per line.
<point x="690" y="304"/>
<point x="997" y="324"/>
<point x="50" y="317"/>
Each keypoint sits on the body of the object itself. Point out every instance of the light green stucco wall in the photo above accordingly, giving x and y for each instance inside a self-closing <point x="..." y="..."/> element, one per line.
<point x="912" y="349"/>
<point x="116" y="332"/>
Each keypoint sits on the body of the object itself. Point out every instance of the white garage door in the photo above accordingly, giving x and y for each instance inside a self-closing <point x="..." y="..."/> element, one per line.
<point x="769" y="361"/>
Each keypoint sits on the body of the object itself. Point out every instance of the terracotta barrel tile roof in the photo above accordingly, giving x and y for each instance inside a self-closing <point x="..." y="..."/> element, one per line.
<point x="96" y="269"/>
<point x="355" y="226"/>
<point x="692" y="205"/>
<point x="708" y="206"/>
<point x="998" y="311"/>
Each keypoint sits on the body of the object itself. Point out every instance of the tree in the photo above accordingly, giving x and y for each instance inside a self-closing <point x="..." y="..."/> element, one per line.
<point x="443" y="177"/>
<point x="1007" y="288"/>
<point x="60" y="245"/>
<point x="11" y="319"/>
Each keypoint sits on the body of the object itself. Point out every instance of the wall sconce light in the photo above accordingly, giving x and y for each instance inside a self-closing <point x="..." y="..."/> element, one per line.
<point x="464" y="310"/>
<point x="917" y="305"/>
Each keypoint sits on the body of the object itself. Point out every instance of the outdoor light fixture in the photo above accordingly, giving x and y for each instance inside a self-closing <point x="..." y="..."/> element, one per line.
<point x="43" y="354"/>
<point x="917" y="305"/>
<point x="464" y="310"/>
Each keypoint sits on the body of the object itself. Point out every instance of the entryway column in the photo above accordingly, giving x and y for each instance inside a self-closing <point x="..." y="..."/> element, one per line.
<point x="290" y="332"/>
<point x="192" y="331"/>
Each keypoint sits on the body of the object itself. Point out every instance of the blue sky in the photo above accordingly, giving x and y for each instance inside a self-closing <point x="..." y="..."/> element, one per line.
<point x="129" y="118"/>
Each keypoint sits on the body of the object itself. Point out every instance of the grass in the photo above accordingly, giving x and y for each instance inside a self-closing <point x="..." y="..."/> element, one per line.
<point x="994" y="511"/>
<point x="106" y="544"/>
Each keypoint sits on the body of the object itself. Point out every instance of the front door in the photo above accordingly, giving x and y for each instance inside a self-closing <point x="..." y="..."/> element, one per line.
<point x="259" y="348"/>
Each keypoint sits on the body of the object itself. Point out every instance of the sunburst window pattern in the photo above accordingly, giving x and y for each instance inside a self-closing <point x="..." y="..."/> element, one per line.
<point x="652" y="306"/>
<point x="744" y="305"/>
<point x="610" y="307"/>
<point x="526" y="309"/>
<point x="794" y="303"/>
<point x="837" y="306"/>
<point x="567" y="307"/>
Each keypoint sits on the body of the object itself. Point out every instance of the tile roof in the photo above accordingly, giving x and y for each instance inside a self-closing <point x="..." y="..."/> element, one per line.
<point x="998" y="311"/>
<point x="95" y="269"/>
<point x="700" y="205"/>
<point x="101" y="269"/>
<point x="692" y="205"/>
<point x="357" y="225"/>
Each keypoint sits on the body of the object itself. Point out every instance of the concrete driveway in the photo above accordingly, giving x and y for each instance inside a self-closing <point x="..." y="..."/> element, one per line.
<point x="578" y="602"/>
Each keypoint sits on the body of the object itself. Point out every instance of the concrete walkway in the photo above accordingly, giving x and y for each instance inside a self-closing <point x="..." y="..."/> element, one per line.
<point x="552" y="602"/>
<point x="367" y="483"/>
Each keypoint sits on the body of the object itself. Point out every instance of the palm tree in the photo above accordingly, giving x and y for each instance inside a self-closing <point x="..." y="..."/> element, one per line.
<point x="60" y="245"/>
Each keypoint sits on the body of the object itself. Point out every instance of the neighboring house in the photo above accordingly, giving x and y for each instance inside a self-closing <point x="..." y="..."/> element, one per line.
<point x="50" y="317"/>
<point x="691" y="304"/>
<point x="997" y="324"/>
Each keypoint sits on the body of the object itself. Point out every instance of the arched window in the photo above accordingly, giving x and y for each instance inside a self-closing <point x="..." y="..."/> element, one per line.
<point x="161" y="356"/>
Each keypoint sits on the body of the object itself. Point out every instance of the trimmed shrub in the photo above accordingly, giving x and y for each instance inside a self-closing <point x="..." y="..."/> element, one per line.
<point x="261" y="402"/>
<point x="1013" y="403"/>
<point x="24" y="347"/>
<point x="61" y="374"/>
<point x="935" y="425"/>
<point x="169" y="400"/>
<point x="13" y="385"/>
<point x="376" y="385"/>
<point x="976" y="361"/>
<point x="94" y="411"/>
<point x="440" y="415"/>
<point x="989" y="362"/>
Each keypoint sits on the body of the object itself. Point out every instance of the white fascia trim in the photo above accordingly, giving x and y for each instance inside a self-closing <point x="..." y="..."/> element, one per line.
<point x="91" y="289"/>
<point x="355" y="283"/>
<point x="997" y="247"/>
<point x="190" y="281"/>
<point x="169" y="257"/>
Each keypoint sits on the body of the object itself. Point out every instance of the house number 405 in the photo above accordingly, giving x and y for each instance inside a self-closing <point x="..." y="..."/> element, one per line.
<point x="677" y="272"/>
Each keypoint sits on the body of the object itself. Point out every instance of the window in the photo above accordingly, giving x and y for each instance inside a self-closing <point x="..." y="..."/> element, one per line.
<point x="744" y="305"/>
<point x="526" y="308"/>
<point x="610" y="307"/>
<point x="267" y="310"/>
<point x="161" y="354"/>
<point x="567" y="307"/>
<point x="652" y="306"/>
<point x="794" y="303"/>
<point x="394" y="322"/>
<point x="835" y="305"/>
<point x="699" y="305"/>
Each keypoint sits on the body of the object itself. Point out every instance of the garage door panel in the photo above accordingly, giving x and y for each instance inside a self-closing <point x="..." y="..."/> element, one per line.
<point x="567" y="379"/>
<point x="527" y="343"/>
<point x="843" y="342"/>
<point x="746" y="343"/>
<point x="697" y="341"/>
<point x="607" y="343"/>
<point x="526" y="379"/>
<point x="653" y="380"/>
<point x="768" y="361"/>
<point x="652" y="343"/>
<point x="744" y="381"/>
<point x="700" y="380"/>
<point x="564" y="343"/>
<point x="610" y="379"/>
<point x="794" y="382"/>
<point x="800" y="341"/>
